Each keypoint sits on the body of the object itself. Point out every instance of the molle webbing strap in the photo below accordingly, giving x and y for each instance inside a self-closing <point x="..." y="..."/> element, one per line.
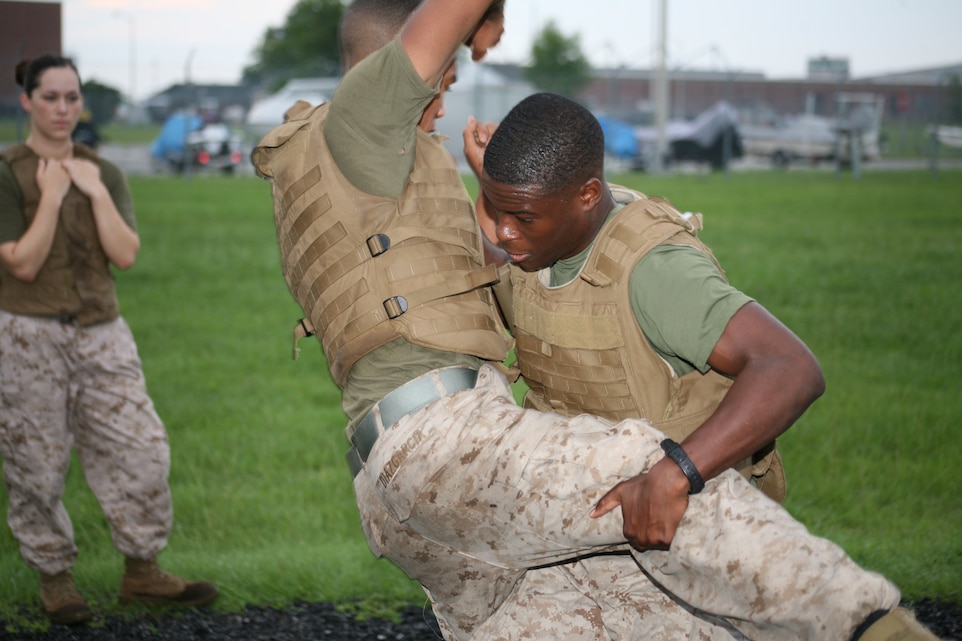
<point x="368" y="269"/>
<point x="581" y="381"/>
<point x="502" y="293"/>
<point x="297" y="189"/>
<point x="429" y="176"/>
<point x="624" y="240"/>
<point x="395" y="306"/>
<point x="451" y="286"/>
<point x="608" y="266"/>
<point x="595" y="332"/>
<point x="591" y="357"/>
<point x="441" y="321"/>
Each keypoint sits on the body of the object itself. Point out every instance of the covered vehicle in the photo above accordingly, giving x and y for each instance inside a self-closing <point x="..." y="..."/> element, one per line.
<point x="186" y="141"/>
<point x="811" y="138"/>
<point x="804" y="137"/>
<point x="713" y="137"/>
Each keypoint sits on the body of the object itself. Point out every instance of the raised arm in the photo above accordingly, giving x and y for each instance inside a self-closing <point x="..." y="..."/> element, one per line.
<point x="476" y="136"/>
<point x="438" y="28"/>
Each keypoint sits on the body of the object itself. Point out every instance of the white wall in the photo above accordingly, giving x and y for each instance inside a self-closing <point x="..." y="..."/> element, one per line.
<point x="480" y="92"/>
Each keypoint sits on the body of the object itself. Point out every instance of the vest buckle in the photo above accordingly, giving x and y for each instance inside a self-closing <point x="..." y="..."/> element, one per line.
<point x="378" y="244"/>
<point x="395" y="306"/>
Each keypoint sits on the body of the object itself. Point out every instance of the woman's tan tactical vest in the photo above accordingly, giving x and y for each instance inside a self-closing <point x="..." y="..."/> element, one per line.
<point x="76" y="280"/>
<point x="366" y="269"/>
<point x="579" y="346"/>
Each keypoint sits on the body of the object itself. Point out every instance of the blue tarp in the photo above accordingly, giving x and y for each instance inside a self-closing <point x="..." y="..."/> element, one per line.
<point x="620" y="140"/>
<point x="170" y="141"/>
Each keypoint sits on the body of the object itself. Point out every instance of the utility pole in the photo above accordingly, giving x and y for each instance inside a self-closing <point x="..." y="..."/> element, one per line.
<point x="186" y="158"/>
<point x="660" y="87"/>
<point x="131" y="53"/>
<point x="132" y="33"/>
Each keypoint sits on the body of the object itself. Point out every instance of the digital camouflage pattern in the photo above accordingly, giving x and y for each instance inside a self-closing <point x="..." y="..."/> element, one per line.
<point x="65" y="386"/>
<point x="485" y="493"/>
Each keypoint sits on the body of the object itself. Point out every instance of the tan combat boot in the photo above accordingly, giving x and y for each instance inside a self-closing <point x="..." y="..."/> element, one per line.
<point x="897" y="625"/>
<point x="146" y="582"/>
<point x="61" y="601"/>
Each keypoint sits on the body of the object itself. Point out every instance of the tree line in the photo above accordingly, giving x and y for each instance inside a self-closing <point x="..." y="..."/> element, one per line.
<point x="307" y="46"/>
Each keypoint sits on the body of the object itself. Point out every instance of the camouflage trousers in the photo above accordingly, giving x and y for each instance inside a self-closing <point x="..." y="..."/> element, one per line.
<point x="63" y="386"/>
<point x="486" y="505"/>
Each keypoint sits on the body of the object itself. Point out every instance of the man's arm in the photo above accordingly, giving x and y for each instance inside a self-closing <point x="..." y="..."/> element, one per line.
<point x="370" y="135"/>
<point x="438" y="28"/>
<point x="476" y="136"/>
<point x="694" y="318"/>
<point x="776" y="379"/>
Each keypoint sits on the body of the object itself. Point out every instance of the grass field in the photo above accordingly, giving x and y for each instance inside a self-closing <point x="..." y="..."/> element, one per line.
<point x="13" y="129"/>
<point x="867" y="272"/>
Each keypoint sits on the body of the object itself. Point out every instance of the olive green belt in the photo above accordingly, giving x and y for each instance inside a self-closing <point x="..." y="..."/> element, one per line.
<point x="407" y="399"/>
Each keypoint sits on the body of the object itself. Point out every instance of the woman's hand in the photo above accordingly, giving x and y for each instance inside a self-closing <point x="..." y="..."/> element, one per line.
<point x="86" y="175"/>
<point x="119" y="241"/>
<point x="53" y="179"/>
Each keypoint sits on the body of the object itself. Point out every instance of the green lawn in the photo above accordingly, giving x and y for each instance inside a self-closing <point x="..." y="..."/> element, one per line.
<point x="866" y="271"/>
<point x="12" y="129"/>
<point x="912" y="140"/>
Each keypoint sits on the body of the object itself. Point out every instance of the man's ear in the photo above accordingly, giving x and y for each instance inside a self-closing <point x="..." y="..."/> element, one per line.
<point x="591" y="193"/>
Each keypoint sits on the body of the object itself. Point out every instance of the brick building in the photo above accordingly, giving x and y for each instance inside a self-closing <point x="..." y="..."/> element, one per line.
<point x="27" y="29"/>
<point x="626" y="92"/>
<point x="911" y="95"/>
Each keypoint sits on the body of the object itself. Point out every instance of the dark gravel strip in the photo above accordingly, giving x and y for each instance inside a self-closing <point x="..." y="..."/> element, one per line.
<point x="322" y="622"/>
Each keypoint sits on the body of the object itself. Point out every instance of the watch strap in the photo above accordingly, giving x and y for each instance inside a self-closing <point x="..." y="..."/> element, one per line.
<point x="675" y="452"/>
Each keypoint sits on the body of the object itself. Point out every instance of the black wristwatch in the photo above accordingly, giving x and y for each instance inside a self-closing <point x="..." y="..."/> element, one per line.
<point x="675" y="452"/>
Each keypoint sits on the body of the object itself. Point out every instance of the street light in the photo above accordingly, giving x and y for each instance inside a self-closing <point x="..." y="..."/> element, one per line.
<point x="132" y="54"/>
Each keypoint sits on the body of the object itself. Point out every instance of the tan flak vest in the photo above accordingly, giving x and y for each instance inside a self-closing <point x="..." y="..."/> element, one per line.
<point x="367" y="269"/>
<point x="580" y="349"/>
<point x="76" y="280"/>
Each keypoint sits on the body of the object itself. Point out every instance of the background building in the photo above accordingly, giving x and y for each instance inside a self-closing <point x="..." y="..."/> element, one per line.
<point x="27" y="29"/>
<point x="912" y="94"/>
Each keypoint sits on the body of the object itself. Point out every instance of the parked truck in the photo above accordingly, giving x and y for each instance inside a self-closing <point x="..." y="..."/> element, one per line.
<point x="808" y="138"/>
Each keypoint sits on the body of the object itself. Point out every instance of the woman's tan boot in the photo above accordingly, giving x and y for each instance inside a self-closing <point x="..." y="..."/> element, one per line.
<point x="146" y="582"/>
<point x="61" y="601"/>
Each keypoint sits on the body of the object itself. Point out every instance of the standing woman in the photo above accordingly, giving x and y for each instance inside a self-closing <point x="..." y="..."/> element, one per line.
<point x="70" y="375"/>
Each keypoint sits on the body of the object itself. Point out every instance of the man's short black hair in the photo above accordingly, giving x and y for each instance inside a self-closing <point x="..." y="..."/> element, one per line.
<point x="547" y="141"/>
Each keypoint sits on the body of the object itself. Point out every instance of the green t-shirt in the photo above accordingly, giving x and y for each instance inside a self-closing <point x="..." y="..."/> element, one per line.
<point x="679" y="298"/>
<point x="371" y="129"/>
<point x="12" y="223"/>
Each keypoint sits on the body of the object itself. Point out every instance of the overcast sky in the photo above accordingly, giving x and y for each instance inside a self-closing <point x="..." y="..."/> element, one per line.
<point x="212" y="40"/>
